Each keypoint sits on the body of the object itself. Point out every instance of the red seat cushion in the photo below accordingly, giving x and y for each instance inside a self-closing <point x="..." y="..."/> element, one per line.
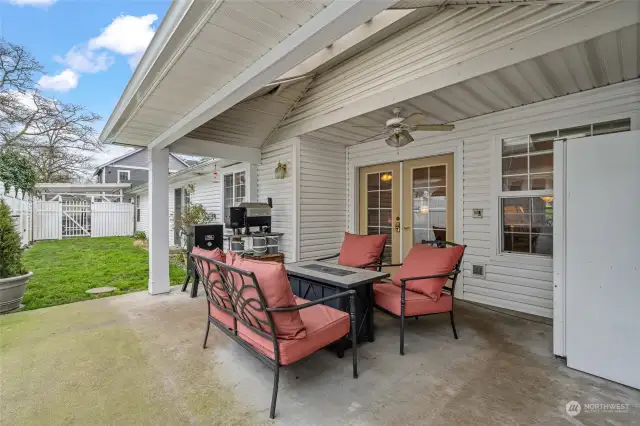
<point x="324" y="325"/>
<point x="424" y="260"/>
<point x="211" y="278"/>
<point x="387" y="296"/>
<point x="274" y="284"/>
<point x="360" y="250"/>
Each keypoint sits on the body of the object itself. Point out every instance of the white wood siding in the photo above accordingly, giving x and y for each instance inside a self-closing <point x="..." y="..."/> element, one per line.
<point x="517" y="285"/>
<point x="280" y="190"/>
<point x="323" y="197"/>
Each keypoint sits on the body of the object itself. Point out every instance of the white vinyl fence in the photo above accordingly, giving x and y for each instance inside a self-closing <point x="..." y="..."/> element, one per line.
<point x="54" y="220"/>
<point x="20" y="207"/>
<point x="37" y="220"/>
<point x="111" y="219"/>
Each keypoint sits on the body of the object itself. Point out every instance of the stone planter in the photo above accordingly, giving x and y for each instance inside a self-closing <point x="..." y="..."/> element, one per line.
<point x="12" y="290"/>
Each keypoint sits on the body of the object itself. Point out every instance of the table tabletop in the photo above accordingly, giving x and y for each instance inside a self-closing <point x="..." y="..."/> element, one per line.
<point x="333" y="274"/>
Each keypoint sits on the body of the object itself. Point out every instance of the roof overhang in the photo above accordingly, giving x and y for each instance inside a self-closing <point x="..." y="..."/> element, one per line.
<point x="207" y="57"/>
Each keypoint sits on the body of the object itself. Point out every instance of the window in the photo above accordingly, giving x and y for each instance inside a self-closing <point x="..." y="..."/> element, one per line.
<point x="526" y="193"/>
<point x="124" y="176"/>
<point x="137" y="208"/>
<point x="234" y="185"/>
<point x="187" y="196"/>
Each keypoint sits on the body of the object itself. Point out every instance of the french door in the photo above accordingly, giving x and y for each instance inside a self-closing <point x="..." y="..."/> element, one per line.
<point x="410" y="201"/>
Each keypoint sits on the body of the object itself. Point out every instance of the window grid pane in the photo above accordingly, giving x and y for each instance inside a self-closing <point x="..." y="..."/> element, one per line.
<point x="527" y="225"/>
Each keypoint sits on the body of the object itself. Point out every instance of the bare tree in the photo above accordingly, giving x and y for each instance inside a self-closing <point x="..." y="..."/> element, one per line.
<point x="57" y="137"/>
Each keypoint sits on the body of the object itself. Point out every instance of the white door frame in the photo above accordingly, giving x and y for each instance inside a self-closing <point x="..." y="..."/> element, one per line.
<point x="454" y="147"/>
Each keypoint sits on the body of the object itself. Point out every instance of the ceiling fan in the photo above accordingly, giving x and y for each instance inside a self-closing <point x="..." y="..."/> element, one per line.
<point x="398" y="128"/>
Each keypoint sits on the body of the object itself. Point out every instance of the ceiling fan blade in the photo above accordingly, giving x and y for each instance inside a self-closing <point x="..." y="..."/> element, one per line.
<point x="414" y="119"/>
<point x="373" y="137"/>
<point x="434" y="127"/>
<point x="369" y="127"/>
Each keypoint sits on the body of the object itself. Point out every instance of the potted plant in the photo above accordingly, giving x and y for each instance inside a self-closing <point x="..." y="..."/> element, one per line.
<point x="13" y="276"/>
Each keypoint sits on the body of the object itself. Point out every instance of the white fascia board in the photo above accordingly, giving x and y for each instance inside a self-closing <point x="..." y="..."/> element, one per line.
<point x="607" y="18"/>
<point x="332" y="22"/>
<point x="205" y="148"/>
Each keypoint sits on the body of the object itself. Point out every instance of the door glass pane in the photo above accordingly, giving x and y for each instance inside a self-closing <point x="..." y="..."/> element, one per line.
<point x="379" y="208"/>
<point x="429" y="194"/>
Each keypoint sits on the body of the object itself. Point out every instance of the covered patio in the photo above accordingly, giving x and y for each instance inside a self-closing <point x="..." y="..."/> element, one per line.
<point x="507" y="104"/>
<point x="138" y="359"/>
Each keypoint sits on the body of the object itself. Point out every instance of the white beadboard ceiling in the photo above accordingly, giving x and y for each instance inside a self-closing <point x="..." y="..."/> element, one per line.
<point x="609" y="59"/>
<point x="233" y="38"/>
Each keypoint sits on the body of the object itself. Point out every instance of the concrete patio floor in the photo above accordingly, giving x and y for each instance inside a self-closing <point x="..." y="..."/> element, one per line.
<point x="137" y="359"/>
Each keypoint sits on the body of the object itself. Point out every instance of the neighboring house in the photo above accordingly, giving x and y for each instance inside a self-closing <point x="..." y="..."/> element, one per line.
<point x="133" y="168"/>
<point x="545" y="98"/>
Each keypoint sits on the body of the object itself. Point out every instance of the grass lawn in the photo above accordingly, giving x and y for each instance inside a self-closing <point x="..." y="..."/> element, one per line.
<point x="64" y="269"/>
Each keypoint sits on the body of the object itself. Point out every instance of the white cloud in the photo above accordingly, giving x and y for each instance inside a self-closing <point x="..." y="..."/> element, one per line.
<point x="33" y="2"/>
<point x="81" y="59"/>
<point x="127" y="35"/>
<point x="63" y="82"/>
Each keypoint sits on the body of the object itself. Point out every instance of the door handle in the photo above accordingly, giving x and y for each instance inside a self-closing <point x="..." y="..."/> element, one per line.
<point x="397" y="224"/>
<point x="407" y="227"/>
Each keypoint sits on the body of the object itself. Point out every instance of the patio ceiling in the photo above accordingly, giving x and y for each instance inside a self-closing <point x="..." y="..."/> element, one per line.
<point x="605" y="60"/>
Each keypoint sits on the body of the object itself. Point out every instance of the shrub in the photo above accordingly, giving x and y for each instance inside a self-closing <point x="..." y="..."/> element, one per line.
<point x="10" y="250"/>
<point x="139" y="235"/>
<point x="193" y="214"/>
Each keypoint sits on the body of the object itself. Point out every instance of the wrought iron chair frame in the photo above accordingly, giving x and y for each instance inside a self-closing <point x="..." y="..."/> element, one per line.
<point x="237" y="308"/>
<point x="453" y="276"/>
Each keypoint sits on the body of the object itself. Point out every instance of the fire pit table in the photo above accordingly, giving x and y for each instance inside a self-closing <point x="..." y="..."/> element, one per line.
<point x="314" y="279"/>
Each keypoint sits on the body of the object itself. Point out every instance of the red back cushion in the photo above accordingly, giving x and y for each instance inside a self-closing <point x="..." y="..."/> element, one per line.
<point x="274" y="284"/>
<point x="360" y="250"/>
<point x="214" y="282"/>
<point x="231" y="257"/>
<point x="424" y="260"/>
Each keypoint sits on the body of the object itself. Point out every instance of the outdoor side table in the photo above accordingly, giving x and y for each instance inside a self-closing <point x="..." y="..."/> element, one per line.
<point x="314" y="280"/>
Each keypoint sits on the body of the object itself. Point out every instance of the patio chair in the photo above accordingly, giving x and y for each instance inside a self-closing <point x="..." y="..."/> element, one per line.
<point x="418" y="288"/>
<point x="360" y="251"/>
<point x="252" y="303"/>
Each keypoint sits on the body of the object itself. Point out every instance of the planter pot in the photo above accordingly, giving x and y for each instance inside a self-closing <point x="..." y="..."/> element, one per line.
<point x="11" y="291"/>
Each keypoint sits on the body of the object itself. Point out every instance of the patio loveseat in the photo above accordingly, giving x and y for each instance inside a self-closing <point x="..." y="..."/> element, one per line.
<point x="252" y="302"/>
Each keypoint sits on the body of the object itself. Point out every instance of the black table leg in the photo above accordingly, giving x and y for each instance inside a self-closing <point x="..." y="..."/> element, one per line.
<point x="371" y="335"/>
<point x="194" y="287"/>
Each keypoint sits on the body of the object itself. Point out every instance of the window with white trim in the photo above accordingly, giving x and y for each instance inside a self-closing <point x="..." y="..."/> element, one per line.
<point x="526" y="189"/>
<point x="187" y="196"/>
<point x="235" y="190"/>
<point x="124" y="176"/>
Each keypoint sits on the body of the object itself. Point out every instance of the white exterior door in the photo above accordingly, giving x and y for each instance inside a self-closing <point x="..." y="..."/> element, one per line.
<point x="602" y="255"/>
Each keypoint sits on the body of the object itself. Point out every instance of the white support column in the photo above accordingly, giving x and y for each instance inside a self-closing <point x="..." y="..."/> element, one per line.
<point x="158" y="221"/>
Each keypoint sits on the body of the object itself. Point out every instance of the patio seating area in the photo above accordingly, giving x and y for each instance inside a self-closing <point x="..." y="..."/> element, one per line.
<point x="138" y="359"/>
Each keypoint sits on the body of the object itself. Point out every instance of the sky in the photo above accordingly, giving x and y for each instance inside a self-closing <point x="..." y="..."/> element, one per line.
<point x="89" y="48"/>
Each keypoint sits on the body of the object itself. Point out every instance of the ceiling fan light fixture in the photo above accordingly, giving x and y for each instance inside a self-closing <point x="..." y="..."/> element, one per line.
<point x="398" y="140"/>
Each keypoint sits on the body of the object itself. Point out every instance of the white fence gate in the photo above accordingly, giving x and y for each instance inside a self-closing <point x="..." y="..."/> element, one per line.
<point x="54" y="220"/>
<point x="111" y="219"/>
<point x="47" y="220"/>
<point x="20" y="207"/>
<point x="76" y="219"/>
